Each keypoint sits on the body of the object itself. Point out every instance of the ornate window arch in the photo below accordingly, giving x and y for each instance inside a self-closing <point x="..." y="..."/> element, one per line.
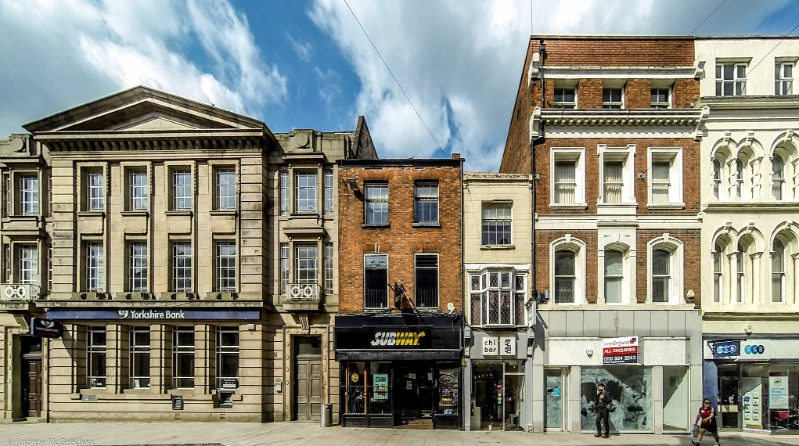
<point x="617" y="271"/>
<point x="567" y="270"/>
<point x="665" y="270"/>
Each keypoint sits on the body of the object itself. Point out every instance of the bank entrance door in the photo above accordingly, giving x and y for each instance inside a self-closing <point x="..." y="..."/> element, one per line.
<point x="307" y="378"/>
<point x="31" y="375"/>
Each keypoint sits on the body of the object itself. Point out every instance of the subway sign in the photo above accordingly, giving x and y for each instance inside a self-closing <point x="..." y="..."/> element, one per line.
<point x="397" y="338"/>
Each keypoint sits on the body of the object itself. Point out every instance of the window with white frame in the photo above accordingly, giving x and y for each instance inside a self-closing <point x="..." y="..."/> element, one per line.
<point x="497" y="298"/>
<point x="95" y="267"/>
<point x="284" y="267"/>
<point x="612" y="98"/>
<point x="183" y="354"/>
<point x="305" y="192"/>
<point x="227" y="354"/>
<point x="730" y="79"/>
<point x="139" y="357"/>
<point x="96" y="350"/>
<point x="305" y="266"/>
<point x="95" y="190"/>
<point x="28" y="263"/>
<point x="568" y="178"/>
<point x="717" y="175"/>
<point x="225" y="189"/>
<point x="565" y="276"/>
<point x="28" y="194"/>
<point x="614" y="276"/>
<point x="740" y="282"/>
<point x="182" y="267"/>
<point x="329" y="192"/>
<point x="777" y="177"/>
<point x="181" y="189"/>
<point x="616" y="174"/>
<point x="778" y="271"/>
<point x="665" y="177"/>
<point x="137" y="267"/>
<point x="665" y="270"/>
<point x="740" y="171"/>
<point x="783" y="78"/>
<point x="226" y="266"/>
<point x="426" y="266"/>
<point x="375" y="274"/>
<point x="660" y="98"/>
<point x="425" y="202"/>
<point x="565" y="98"/>
<point x="284" y="192"/>
<point x="376" y="204"/>
<point x="329" y="258"/>
<point x="496" y="224"/>
<point x="718" y="273"/>
<point x="138" y="190"/>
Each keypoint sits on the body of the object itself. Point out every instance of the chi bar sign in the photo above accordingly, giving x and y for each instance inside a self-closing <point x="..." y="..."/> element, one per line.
<point x="494" y="346"/>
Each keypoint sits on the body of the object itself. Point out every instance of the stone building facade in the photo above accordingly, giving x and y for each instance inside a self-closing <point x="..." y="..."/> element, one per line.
<point x="398" y="332"/>
<point x="606" y="128"/>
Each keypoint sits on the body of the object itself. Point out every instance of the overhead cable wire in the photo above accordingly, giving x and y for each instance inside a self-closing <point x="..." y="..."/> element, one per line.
<point x="395" y="79"/>
<point x="703" y="21"/>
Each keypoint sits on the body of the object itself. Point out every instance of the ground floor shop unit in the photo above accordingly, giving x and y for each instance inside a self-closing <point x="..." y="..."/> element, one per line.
<point x="754" y="380"/>
<point x="649" y="360"/>
<point x="400" y="370"/>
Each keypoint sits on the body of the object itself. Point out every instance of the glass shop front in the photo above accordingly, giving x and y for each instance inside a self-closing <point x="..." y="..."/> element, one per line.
<point x="399" y="370"/>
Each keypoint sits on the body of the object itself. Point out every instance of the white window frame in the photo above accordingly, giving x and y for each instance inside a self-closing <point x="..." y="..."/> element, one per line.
<point x="224" y="275"/>
<point x="738" y="82"/>
<point x="777" y="275"/>
<point x="285" y="266"/>
<point x="306" y="267"/>
<point x="138" y="189"/>
<point x="182" y="266"/>
<point x="225" y="179"/>
<point x="615" y="154"/>
<point x="660" y="104"/>
<point x="577" y="156"/>
<point x="27" y="263"/>
<point x="329" y="254"/>
<point x="425" y="199"/>
<point x="179" y="350"/>
<point x="285" y="189"/>
<point x="718" y="261"/>
<point x="626" y="276"/>
<point x="500" y="216"/>
<point x="578" y="247"/>
<point x="481" y="288"/>
<point x="672" y="155"/>
<point x="559" y="99"/>
<point x="718" y="190"/>
<point x="676" y="273"/>
<point x="95" y="189"/>
<point x="182" y="190"/>
<point x="223" y="349"/>
<point x="610" y="103"/>
<point x="783" y="85"/>
<point x="306" y="198"/>
<point x="139" y="352"/>
<point x="743" y="264"/>
<point x="94" y="255"/>
<point x="376" y="205"/>
<point x="138" y="266"/>
<point x="329" y="185"/>
<point x="29" y="185"/>
<point x="779" y="182"/>
<point x="93" y="350"/>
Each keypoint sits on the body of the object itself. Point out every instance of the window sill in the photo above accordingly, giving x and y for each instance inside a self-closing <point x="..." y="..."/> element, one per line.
<point x="426" y="225"/>
<point x="181" y="212"/>
<point x="135" y="213"/>
<point x="224" y="212"/>
<point x="666" y="206"/>
<point x="91" y="213"/>
<point x="572" y="206"/>
<point x="617" y="205"/>
<point x="500" y="247"/>
<point x="305" y="214"/>
<point x="24" y="217"/>
<point x="365" y="226"/>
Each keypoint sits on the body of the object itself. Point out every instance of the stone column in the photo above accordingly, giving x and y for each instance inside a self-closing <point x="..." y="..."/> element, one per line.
<point x="574" y="404"/>
<point x="657" y="399"/>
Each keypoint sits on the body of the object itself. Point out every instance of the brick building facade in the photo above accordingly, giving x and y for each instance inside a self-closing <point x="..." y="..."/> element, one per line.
<point x="400" y="275"/>
<point x="613" y="148"/>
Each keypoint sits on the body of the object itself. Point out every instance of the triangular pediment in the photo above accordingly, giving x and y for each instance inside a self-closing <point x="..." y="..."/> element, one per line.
<point x="143" y="109"/>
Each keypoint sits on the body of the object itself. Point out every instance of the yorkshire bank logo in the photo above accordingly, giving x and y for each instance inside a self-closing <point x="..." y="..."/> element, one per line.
<point x="394" y="338"/>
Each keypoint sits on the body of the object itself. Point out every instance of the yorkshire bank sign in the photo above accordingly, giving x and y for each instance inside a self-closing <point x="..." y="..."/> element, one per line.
<point x="621" y="350"/>
<point x="397" y="338"/>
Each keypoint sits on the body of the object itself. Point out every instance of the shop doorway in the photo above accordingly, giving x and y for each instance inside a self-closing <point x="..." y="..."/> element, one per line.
<point x="307" y="378"/>
<point x="31" y="376"/>
<point x="497" y="395"/>
<point x="414" y="390"/>
<point x="729" y="401"/>
<point x="553" y="400"/>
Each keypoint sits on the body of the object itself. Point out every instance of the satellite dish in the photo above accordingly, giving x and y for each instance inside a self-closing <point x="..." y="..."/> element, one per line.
<point x="451" y="307"/>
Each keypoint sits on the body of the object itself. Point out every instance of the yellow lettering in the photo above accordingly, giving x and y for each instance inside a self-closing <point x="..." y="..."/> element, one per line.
<point x="417" y="337"/>
<point x="402" y="338"/>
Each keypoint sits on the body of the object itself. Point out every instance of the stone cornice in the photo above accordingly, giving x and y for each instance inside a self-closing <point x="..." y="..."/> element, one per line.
<point x="120" y="141"/>
<point x="638" y="117"/>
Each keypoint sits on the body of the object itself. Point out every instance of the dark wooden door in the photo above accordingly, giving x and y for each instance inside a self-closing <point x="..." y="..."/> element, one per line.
<point x="31" y="386"/>
<point x="308" y="388"/>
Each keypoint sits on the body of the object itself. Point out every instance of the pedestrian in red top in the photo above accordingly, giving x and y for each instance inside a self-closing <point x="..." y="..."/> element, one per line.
<point x="706" y="420"/>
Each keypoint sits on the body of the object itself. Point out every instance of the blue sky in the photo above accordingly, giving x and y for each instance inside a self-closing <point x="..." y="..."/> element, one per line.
<point x="308" y="64"/>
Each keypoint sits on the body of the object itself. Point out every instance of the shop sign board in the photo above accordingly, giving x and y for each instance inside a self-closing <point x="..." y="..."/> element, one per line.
<point x="46" y="328"/>
<point x="620" y="350"/>
<point x="778" y="397"/>
<point x="724" y="349"/>
<point x="490" y="346"/>
<point x="508" y="346"/>
<point x="153" y="314"/>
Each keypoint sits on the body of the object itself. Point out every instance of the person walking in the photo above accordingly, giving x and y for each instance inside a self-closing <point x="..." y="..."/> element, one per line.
<point x="706" y="420"/>
<point x="601" y="403"/>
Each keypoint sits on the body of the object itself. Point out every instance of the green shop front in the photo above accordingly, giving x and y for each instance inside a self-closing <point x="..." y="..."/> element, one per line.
<point x="400" y="370"/>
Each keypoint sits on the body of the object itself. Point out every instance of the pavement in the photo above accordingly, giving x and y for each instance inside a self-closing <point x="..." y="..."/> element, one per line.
<point x="305" y="434"/>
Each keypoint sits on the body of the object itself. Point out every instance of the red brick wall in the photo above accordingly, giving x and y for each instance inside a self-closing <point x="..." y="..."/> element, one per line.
<point x="690" y="160"/>
<point x="516" y="157"/>
<point x="619" y="52"/>
<point x="589" y="93"/>
<point x="401" y="240"/>
<point x="638" y="93"/>
<point x="685" y="92"/>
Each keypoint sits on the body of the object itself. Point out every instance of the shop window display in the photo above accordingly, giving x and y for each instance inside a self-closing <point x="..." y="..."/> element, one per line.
<point x="631" y="390"/>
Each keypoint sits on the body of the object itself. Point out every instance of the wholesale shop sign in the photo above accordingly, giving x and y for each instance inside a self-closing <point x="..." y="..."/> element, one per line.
<point x="621" y="350"/>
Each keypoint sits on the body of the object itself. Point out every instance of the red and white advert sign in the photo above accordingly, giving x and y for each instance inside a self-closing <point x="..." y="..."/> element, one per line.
<point x="620" y="350"/>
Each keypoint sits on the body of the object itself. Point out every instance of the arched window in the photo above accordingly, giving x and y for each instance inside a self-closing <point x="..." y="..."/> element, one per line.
<point x="739" y="177"/>
<point x="717" y="179"/>
<point x="661" y="275"/>
<point x="778" y="271"/>
<point x="740" y="257"/>
<point x="614" y="275"/>
<point x="565" y="276"/>
<point x="778" y="177"/>
<point x="718" y="274"/>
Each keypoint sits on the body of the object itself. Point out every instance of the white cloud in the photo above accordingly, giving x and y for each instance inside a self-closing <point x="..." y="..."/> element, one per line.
<point x="460" y="62"/>
<point x="303" y="49"/>
<point x="59" y="54"/>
